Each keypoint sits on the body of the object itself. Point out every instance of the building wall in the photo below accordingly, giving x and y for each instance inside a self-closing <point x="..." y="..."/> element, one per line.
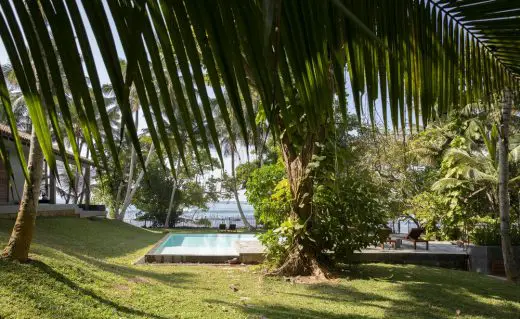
<point x="16" y="190"/>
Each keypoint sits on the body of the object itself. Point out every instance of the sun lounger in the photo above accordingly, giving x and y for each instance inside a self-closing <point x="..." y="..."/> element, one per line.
<point x="414" y="236"/>
<point x="384" y="237"/>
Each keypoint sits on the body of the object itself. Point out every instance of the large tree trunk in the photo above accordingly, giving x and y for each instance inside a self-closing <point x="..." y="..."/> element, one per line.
<point x="503" y="191"/>
<point x="22" y="234"/>
<point x="235" y="191"/>
<point x="303" y="256"/>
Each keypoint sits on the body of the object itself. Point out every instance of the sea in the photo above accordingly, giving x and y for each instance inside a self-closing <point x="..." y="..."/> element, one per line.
<point x="221" y="212"/>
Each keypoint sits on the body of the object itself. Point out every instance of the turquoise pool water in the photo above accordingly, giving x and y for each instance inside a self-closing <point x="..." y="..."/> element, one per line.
<point x="203" y="244"/>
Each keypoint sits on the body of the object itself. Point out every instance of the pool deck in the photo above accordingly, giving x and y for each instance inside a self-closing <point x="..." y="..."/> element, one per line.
<point x="440" y="254"/>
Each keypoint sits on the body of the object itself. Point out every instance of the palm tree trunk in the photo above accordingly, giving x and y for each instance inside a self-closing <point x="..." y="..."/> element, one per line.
<point x="170" y="206"/>
<point x="133" y="158"/>
<point x="135" y="186"/>
<point x="129" y="184"/>
<point x="22" y="234"/>
<point x="503" y="191"/>
<point x="235" y="191"/>
<point x="172" y="198"/>
<point x="77" y="175"/>
<point x="84" y="185"/>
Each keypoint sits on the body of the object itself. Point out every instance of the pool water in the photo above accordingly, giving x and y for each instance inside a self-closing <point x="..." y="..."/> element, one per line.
<point x="203" y="244"/>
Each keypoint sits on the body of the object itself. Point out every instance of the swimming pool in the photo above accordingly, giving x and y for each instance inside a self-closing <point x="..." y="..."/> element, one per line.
<point x="203" y="244"/>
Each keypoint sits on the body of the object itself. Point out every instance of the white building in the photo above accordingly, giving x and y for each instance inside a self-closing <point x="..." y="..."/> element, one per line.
<point x="11" y="188"/>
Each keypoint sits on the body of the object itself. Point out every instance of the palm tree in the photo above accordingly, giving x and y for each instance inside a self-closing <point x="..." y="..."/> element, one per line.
<point x="476" y="162"/>
<point x="427" y="57"/>
<point x="229" y="145"/>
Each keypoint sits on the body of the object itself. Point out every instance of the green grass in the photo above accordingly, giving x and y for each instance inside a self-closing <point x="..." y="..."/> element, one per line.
<point x="83" y="269"/>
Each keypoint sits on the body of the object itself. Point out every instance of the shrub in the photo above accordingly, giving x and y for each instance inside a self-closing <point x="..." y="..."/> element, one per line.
<point x="489" y="235"/>
<point x="429" y="210"/>
<point x="350" y="215"/>
<point x="486" y="235"/>
<point x="278" y="241"/>
<point x="269" y="193"/>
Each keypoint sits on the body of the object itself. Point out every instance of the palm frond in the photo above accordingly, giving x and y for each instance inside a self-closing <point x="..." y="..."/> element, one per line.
<point x="427" y="57"/>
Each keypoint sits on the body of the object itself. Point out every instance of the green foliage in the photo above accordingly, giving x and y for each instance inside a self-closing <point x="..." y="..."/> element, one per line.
<point x="349" y="203"/>
<point x="243" y="171"/>
<point x="153" y="196"/>
<point x="429" y="209"/>
<point x="348" y="214"/>
<point x="106" y="192"/>
<point x="278" y="241"/>
<point x="154" y="193"/>
<point x="463" y="153"/>
<point x="269" y="193"/>
<point x="488" y="234"/>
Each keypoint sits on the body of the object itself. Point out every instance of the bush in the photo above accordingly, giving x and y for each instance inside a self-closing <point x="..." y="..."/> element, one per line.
<point x="278" y="241"/>
<point x="489" y="235"/>
<point x="429" y="210"/>
<point x="350" y="215"/>
<point x="269" y="193"/>
<point x="486" y="235"/>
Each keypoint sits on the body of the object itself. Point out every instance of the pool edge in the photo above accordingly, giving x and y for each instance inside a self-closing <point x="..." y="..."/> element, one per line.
<point x="153" y="256"/>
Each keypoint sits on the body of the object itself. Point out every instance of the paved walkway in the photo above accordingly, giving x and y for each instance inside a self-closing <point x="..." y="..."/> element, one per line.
<point x="436" y="247"/>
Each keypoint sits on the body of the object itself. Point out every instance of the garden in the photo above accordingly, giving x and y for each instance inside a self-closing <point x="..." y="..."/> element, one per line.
<point x="337" y="121"/>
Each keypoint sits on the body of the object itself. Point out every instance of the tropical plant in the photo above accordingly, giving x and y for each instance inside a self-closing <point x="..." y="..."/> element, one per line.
<point x="488" y="234"/>
<point x="268" y="192"/>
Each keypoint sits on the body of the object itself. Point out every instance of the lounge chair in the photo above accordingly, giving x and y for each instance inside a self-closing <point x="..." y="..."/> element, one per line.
<point x="222" y="227"/>
<point x="413" y="236"/>
<point x="384" y="237"/>
<point x="232" y="227"/>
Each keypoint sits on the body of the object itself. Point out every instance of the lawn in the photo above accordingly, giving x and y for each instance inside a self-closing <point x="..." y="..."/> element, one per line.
<point x="83" y="269"/>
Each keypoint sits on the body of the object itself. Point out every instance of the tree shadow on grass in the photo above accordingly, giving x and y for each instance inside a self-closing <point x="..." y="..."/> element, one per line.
<point x="172" y="277"/>
<point x="283" y="311"/>
<point x="439" y="293"/>
<point x="73" y="286"/>
<point x="341" y="294"/>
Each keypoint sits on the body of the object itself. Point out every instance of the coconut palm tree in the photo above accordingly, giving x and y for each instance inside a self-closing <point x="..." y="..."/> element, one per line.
<point x="427" y="57"/>
<point x="229" y="148"/>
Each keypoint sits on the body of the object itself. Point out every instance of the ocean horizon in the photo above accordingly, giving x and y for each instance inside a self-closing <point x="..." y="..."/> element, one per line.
<point x="224" y="211"/>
